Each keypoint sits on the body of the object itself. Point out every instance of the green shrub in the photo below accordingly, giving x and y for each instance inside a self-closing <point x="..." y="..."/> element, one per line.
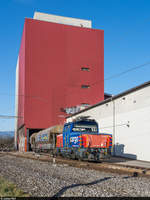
<point x="8" y="189"/>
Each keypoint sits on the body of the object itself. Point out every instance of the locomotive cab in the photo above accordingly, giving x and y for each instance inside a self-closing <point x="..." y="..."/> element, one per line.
<point x="73" y="132"/>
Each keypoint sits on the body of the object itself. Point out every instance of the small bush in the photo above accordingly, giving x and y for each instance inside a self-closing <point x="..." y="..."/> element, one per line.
<point x="9" y="190"/>
<point x="6" y="143"/>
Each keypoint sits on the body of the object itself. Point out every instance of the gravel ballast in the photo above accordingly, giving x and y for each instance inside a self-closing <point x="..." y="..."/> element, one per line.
<point x="39" y="178"/>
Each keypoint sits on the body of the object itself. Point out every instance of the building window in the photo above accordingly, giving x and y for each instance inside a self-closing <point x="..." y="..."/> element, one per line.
<point x="85" y="104"/>
<point x="85" y="86"/>
<point x="85" y="69"/>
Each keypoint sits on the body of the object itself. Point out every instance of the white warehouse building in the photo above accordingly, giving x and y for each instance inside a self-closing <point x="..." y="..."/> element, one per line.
<point x="127" y="117"/>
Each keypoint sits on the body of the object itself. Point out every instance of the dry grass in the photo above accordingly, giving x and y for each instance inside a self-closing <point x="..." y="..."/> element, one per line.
<point x="6" y="143"/>
<point x="6" y="140"/>
<point x="9" y="190"/>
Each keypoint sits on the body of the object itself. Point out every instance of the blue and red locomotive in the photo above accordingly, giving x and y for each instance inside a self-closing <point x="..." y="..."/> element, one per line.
<point x="79" y="139"/>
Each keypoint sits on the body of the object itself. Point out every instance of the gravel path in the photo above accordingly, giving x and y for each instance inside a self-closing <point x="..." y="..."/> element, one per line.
<point x="45" y="179"/>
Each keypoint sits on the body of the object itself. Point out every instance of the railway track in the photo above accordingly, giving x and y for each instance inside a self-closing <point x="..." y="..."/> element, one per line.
<point x="106" y="166"/>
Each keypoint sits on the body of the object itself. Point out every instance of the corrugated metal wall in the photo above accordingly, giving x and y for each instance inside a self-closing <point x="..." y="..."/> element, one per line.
<point x="50" y="76"/>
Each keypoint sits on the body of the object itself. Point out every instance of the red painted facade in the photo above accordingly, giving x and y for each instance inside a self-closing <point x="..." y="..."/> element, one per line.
<point x="50" y="76"/>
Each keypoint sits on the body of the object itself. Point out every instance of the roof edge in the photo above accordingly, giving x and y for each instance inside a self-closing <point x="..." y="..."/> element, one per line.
<point x="113" y="98"/>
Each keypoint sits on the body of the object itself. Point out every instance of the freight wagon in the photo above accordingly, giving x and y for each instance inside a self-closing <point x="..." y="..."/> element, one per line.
<point x="45" y="140"/>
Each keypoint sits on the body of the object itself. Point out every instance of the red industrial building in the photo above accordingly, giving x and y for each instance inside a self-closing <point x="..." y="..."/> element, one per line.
<point x="60" y="68"/>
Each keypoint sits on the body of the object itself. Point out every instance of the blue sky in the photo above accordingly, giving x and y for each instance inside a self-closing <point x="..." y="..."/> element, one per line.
<point x="126" y="25"/>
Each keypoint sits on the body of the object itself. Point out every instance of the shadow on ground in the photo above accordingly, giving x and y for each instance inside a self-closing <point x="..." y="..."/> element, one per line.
<point x="118" y="154"/>
<point x="63" y="190"/>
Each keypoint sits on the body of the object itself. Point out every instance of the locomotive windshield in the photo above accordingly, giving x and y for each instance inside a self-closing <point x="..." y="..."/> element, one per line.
<point x="85" y="127"/>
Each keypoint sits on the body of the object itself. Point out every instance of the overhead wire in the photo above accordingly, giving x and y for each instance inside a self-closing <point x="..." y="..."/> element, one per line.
<point x="115" y="75"/>
<point x="9" y="117"/>
<point x="121" y="73"/>
<point x="97" y="82"/>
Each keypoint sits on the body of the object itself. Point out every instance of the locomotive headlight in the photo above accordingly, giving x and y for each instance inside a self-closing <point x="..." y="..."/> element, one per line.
<point x="102" y="145"/>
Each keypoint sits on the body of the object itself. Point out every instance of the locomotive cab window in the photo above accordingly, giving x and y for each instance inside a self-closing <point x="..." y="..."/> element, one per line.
<point x="86" y="128"/>
<point x="68" y="127"/>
